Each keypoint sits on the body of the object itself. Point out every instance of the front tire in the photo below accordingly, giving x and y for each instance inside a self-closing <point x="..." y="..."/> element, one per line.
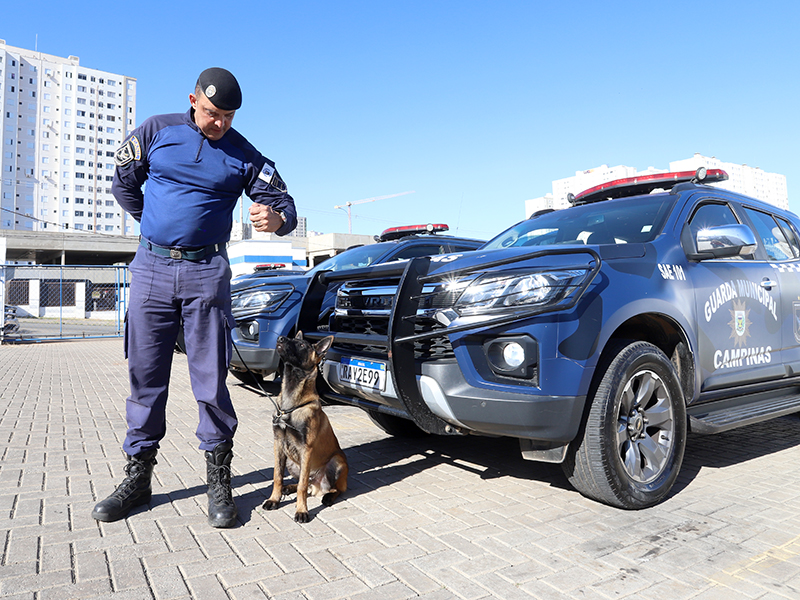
<point x="632" y="443"/>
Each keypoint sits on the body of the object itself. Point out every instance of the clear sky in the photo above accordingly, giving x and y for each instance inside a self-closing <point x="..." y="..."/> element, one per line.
<point x="475" y="106"/>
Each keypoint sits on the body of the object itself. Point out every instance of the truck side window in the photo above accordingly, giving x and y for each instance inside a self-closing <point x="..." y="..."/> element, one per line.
<point x="711" y="215"/>
<point x="791" y="236"/>
<point x="772" y="236"/>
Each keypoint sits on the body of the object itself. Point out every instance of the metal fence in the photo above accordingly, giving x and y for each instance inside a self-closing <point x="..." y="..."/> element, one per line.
<point x="62" y="302"/>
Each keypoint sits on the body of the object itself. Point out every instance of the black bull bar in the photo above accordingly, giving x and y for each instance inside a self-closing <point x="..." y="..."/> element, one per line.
<point x="399" y="341"/>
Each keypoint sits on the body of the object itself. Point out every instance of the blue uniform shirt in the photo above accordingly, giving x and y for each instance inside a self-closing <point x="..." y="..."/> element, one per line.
<point x="193" y="183"/>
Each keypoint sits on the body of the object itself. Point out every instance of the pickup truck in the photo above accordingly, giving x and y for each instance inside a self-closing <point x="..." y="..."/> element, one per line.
<point x="599" y="335"/>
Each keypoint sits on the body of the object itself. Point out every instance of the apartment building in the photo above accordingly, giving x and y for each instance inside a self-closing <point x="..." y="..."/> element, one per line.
<point x="743" y="179"/>
<point x="61" y="124"/>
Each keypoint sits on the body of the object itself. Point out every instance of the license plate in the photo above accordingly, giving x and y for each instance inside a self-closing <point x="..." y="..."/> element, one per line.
<point x="359" y="373"/>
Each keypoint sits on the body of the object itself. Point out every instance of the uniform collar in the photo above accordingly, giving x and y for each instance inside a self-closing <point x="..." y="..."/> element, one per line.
<point x="189" y="116"/>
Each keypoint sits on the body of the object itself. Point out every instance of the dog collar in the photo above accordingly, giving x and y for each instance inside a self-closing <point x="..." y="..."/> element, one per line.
<point x="283" y="415"/>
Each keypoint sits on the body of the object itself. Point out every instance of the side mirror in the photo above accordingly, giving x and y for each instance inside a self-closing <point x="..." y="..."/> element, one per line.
<point x="725" y="241"/>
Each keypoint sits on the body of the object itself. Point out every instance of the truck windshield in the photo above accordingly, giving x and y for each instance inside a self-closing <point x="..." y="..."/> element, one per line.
<point x="363" y="256"/>
<point x="623" y="221"/>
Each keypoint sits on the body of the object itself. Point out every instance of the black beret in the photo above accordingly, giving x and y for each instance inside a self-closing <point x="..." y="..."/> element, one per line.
<point x="221" y="87"/>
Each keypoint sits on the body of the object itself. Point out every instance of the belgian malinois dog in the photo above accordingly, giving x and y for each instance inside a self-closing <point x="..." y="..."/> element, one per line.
<point x="304" y="439"/>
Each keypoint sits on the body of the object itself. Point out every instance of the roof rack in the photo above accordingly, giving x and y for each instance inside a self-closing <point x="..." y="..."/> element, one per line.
<point x="644" y="184"/>
<point x="395" y="233"/>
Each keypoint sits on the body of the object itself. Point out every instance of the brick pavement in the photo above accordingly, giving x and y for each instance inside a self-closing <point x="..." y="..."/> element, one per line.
<point x="431" y="518"/>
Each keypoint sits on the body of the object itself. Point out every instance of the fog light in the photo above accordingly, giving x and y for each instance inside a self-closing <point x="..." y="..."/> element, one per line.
<point x="513" y="354"/>
<point x="249" y="330"/>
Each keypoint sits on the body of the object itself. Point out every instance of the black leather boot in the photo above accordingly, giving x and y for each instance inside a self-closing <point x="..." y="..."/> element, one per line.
<point x="221" y="508"/>
<point x="134" y="490"/>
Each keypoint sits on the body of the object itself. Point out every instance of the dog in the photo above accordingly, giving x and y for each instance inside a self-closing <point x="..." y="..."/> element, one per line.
<point x="304" y="440"/>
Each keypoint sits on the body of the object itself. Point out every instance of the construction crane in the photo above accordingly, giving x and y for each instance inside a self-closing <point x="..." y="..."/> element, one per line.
<point x="347" y="205"/>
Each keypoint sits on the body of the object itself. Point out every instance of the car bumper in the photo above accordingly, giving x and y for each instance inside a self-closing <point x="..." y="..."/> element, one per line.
<point x="263" y="361"/>
<point x="491" y="410"/>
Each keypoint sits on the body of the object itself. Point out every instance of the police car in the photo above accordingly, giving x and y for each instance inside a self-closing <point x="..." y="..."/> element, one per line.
<point x="266" y="303"/>
<point x="598" y="335"/>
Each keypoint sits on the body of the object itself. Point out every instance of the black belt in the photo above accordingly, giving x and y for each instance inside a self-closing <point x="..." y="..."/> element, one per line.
<point x="179" y="253"/>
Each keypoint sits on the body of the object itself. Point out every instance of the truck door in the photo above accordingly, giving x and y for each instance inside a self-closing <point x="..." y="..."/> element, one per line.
<point x="738" y="308"/>
<point x="783" y="254"/>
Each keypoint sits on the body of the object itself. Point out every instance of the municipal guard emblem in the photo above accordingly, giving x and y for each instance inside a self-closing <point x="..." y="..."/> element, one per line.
<point x="739" y="326"/>
<point x="740" y="323"/>
<point x="129" y="151"/>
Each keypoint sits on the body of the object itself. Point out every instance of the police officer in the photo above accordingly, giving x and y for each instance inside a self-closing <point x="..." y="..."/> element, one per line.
<point x="196" y="167"/>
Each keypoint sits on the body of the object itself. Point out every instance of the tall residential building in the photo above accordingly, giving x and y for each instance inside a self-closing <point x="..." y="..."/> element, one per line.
<point x="743" y="179"/>
<point x="61" y="124"/>
<point x="302" y="228"/>
<point x="752" y="181"/>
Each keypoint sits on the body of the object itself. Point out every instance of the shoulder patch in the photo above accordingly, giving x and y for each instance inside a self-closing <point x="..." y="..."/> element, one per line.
<point x="129" y="151"/>
<point x="269" y="176"/>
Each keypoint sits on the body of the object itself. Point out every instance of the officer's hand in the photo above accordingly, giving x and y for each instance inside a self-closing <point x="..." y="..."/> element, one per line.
<point x="265" y="219"/>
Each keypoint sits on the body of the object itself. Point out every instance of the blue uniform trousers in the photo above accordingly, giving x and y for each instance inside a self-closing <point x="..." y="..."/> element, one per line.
<point x="165" y="292"/>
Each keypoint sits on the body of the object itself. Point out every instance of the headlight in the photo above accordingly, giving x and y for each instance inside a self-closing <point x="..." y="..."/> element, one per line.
<point x="255" y="301"/>
<point x="506" y="291"/>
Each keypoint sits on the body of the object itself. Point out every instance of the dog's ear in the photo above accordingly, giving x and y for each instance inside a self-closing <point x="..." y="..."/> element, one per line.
<point x="298" y="335"/>
<point x="322" y="346"/>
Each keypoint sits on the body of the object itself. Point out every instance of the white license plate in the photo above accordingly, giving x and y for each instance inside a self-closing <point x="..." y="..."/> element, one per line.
<point x="367" y="374"/>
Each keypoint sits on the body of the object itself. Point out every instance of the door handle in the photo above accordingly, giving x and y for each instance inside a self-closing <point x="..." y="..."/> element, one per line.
<point x="768" y="283"/>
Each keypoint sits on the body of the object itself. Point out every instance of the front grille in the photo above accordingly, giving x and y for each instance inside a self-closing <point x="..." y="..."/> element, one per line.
<point x="427" y="349"/>
<point x="363" y="325"/>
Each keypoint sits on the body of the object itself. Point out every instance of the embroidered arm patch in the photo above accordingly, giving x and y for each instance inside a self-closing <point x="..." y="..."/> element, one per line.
<point x="129" y="151"/>
<point x="269" y="176"/>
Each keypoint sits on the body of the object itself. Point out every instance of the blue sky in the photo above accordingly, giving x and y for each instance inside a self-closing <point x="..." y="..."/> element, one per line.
<point x="475" y="106"/>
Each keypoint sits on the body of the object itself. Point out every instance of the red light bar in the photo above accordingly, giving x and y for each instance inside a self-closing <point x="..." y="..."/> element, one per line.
<point x="397" y="232"/>
<point x="643" y="184"/>
<point x="269" y="266"/>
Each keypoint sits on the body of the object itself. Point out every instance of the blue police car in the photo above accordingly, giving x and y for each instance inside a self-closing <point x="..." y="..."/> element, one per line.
<point x="265" y="304"/>
<point x="598" y="335"/>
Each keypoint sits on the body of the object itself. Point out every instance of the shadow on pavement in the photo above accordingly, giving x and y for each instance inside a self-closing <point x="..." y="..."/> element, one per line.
<point x="390" y="460"/>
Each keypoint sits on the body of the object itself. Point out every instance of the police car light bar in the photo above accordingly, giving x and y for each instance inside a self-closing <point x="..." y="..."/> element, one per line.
<point x="644" y="184"/>
<point x="394" y="233"/>
<point x="269" y="266"/>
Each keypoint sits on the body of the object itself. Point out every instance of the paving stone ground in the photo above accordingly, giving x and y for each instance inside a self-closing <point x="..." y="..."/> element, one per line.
<point x="433" y="518"/>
